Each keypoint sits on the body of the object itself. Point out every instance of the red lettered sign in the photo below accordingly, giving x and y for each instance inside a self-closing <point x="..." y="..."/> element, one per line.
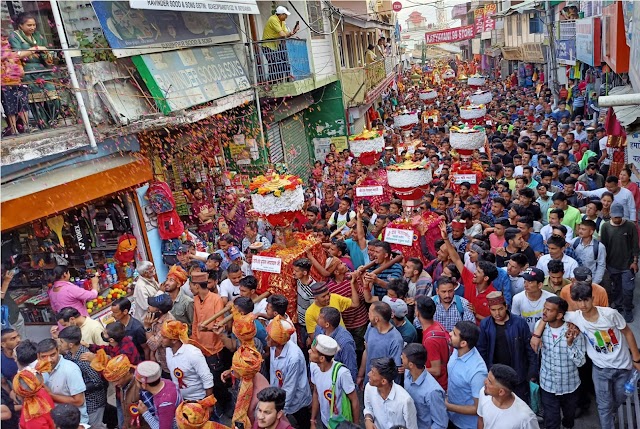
<point x="490" y="11"/>
<point x="451" y="35"/>
<point x="397" y="6"/>
<point x="478" y="16"/>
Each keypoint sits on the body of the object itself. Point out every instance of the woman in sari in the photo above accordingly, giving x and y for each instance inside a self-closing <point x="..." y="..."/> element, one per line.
<point x="37" y="60"/>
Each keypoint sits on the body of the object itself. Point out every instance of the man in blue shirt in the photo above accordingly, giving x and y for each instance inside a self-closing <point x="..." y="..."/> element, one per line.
<point x="382" y="339"/>
<point x="380" y="281"/>
<point x="425" y="391"/>
<point x="535" y="241"/>
<point x="467" y="372"/>
<point x="562" y="112"/>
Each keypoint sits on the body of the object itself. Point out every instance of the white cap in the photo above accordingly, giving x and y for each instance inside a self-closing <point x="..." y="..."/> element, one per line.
<point x="326" y="345"/>
<point x="281" y="9"/>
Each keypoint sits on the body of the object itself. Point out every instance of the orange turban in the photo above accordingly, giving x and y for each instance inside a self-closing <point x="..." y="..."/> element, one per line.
<point x="244" y="327"/>
<point x="195" y="415"/>
<point x="178" y="274"/>
<point x="246" y="363"/>
<point x="114" y="369"/>
<point x="176" y="330"/>
<point x="280" y="330"/>
<point x="27" y="383"/>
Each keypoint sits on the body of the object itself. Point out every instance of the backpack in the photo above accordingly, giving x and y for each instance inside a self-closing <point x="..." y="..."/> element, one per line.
<point x="160" y="197"/>
<point x="596" y="246"/>
<point x="335" y="218"/>
<point x="170" y="251"/>
<point x="345" y="413"/>
<point x="456" y="299"/>
<point x="169" y="225"/>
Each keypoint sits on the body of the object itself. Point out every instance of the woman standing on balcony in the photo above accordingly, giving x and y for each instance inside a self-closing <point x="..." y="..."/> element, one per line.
<point x="14" y="93"/>
<point x="37" y="59"/>
<point x="370" y="56"/>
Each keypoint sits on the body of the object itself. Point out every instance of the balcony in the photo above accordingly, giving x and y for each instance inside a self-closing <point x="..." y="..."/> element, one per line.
<point x="53" y="120"/>
<point x="363" y="85"/>
<point x="283" y="66"/>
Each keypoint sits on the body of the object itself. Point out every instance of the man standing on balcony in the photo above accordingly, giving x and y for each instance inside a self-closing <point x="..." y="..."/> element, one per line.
<point x="380" y="49"/>
<point x="276" y="51"/>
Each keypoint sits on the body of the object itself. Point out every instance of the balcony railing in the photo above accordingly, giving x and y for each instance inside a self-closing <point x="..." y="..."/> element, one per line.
<point x="281" y="60"/>
<point x="361" y="83"/>
<point x="47" y="99"/>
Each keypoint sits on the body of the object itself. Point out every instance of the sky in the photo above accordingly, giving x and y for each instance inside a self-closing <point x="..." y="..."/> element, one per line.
<point x="429" y="12"/>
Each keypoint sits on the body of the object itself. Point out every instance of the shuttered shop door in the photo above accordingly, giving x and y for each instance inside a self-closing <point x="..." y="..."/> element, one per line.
<point x="276" y="153"/>
<point x="296" y="148"/>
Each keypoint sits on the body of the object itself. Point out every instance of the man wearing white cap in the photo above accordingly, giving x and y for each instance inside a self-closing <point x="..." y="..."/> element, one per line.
<point x="159" y="397"/>
<point x="275" y="51"/>
<point x="329" y="378"/>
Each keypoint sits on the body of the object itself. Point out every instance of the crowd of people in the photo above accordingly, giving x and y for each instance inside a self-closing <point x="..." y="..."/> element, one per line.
<point x="523" y="306"/>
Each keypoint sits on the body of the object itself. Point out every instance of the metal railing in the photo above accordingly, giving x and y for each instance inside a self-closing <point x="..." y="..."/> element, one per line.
<point x="47" y="98"/>
<point x="374" y="74"/>
<point x="281" y="60"/>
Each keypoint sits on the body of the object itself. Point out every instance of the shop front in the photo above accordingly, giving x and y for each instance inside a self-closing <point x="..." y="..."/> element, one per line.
<point x="83" y="215"/>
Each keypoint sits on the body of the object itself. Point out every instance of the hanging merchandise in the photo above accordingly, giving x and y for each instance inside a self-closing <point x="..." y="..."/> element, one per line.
<point x="164" y="205"/>
<point x="56" y="223"/>
<point x="127" y="245"/>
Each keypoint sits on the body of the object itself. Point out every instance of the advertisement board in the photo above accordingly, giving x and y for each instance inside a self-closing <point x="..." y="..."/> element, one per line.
<point x="185" y="78"/>
<point x="566" y="52"/>
<point x="140" y="31"/>
<point x="588" y="41"/>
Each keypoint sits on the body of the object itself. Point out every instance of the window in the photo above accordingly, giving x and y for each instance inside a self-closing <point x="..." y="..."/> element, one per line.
<point x="536" y="25"/>
<point x="316" y="19"/>
<point x="509" y="26"/>
<point x="519" y="25"/>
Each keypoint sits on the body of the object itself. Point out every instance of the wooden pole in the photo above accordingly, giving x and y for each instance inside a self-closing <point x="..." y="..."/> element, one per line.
<point x="228" y="308"/>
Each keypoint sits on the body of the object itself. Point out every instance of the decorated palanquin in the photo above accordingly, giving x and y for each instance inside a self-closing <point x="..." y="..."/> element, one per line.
<point x="367" y="146"/>
<point x="409" y="181"/>
<point x="424" y="227"/>
<point x="284" y="283"/>
<point x="277" y="197"/>
<point x="465" y="140"/>
<point x="374" y="188"/>
<point x="472" y="114"/>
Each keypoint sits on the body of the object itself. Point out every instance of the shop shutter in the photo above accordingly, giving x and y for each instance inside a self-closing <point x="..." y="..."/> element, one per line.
<point x="296" y="148"/>
<point x="276" y="155"/>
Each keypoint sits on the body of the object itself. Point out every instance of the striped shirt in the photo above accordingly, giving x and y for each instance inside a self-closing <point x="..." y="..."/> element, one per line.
<point x="352" y="317"/>
<point x="393" y="272"/>
<point x="305" y="296"/>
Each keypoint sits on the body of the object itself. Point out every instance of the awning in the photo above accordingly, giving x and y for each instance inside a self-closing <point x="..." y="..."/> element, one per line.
<point x="626" y="115"/>
<point x="512" y="53"/>
<point x="533" y="53"/>
<point x="249" y="7"/>
<point x="32" y="198"/>
<point x="523" y="7"/>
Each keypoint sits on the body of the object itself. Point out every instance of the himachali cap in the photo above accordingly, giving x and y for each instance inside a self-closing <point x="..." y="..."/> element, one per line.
<point x="398" y="306"/>
<point x="199" y="277"/>
<point x="318" y="288"/>
<point x="533" y="274"/>
<point x="495" y="298"/>
<point x="458" y="224"/>
<point x="326" y="345"/>
<point x="148" y="371"/>
<point x="257" y="246"/>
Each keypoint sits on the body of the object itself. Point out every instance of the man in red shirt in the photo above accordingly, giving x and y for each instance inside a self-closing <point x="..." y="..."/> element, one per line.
<point x="476" y="285"/>
<point x="435" y="340"/>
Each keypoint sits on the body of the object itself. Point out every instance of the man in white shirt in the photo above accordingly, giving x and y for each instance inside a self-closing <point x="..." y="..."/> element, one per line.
<point x="329" y="378"/>
<point x="344" y="217"/>
<point x="387" y="404"/>
<point x="530" y="302"/>
<point x="499" y="407"/>
<point x="230" y="287"/>
<point x="186" y="362"/>
<point x="621" y="196"/>
<point x="556" y="247"/>
<point x="146" y="286"/>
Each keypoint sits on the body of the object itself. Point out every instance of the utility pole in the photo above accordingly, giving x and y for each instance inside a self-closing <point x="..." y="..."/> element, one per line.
<point x="553" y="69"/>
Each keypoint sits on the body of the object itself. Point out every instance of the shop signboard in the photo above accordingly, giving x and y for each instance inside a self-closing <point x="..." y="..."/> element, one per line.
<point x="566" y="52"/>
<point x="450" y="35"/>
<point x="634" y="55"/>
<point x="248" y="7"/>
<point x="490" y="11"/>
<point x="588" y="41"/>
<point x="141" y="31"/>
<point x="478" y="18"/>
<point x="185" y="78"/>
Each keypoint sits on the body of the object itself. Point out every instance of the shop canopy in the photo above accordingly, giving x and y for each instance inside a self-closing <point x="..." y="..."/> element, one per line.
<point x="33" y="198"/>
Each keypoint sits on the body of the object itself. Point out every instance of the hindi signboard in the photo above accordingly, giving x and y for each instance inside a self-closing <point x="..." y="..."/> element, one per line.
<point x="368" y="191"/>
<point x="450" y="35"/>
<point x="403" y="237"/>
<point x="267" y="264"/>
